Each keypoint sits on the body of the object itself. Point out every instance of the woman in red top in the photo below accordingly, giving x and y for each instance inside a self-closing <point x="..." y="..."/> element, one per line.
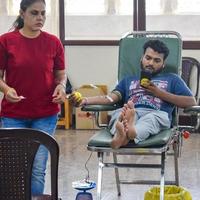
<point x="32" y="78"/>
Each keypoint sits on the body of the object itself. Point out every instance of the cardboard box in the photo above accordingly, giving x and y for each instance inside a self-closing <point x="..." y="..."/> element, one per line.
<point x="86" y="120"/>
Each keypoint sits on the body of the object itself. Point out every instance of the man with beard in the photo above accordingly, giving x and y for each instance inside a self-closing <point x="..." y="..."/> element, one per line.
<point x="148" y="104"/>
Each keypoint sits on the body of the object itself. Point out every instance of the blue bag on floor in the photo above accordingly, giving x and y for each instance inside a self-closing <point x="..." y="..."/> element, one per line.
<point x="84" y="196"/>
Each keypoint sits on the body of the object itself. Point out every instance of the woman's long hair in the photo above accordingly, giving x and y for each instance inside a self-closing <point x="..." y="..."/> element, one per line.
<point x="19" y="22"/>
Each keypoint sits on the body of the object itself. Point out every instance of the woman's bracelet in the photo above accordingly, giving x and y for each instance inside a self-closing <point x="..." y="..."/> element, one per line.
<point x="7" y="91"/>
<point x="63" y="84"/>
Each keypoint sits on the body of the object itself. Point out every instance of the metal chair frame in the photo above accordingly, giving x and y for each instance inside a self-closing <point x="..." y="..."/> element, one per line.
<point x="100" y="142"/>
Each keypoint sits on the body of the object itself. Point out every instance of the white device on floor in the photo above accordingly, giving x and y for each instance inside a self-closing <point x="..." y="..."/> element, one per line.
<point x="83" y="185"/>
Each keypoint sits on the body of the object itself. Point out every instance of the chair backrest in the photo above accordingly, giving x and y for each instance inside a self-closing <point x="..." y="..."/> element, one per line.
<point x="131" y="50"/>
<point x="191" y="74"/>
<point x="17" y="152"/>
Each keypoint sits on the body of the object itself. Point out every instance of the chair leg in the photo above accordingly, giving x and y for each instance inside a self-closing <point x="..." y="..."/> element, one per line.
<point x="162" y="180"/>
<point x="176" y="163"/>
<point x="198" y="123"/>
<point x="100" y="174"/>
<point x="117" y="175"/>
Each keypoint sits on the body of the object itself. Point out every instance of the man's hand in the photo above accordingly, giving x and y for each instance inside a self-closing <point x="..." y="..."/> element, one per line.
<point x="152" y="88"/>
<point x="76" y="99"/>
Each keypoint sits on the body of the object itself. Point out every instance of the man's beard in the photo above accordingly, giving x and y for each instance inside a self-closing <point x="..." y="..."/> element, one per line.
<point x="150" y="69"/>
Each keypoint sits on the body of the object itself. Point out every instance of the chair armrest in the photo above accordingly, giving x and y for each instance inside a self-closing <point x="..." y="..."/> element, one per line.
<point x="99" y="108"/>
<point x="194" y="110"/>
<point x="96" y="109"/>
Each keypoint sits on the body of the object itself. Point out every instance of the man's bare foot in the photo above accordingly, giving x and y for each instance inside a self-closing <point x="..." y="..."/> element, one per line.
<point x="120" y="138"/>
<point x="128" y="121"/>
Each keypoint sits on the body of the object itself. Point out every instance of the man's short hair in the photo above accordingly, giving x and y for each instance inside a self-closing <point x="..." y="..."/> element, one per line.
<point x="157" y="46"/>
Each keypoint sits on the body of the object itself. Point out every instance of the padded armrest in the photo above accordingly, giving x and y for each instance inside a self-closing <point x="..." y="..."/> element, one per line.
<point x="98" y="108"/>
<point x="192" y="110"/>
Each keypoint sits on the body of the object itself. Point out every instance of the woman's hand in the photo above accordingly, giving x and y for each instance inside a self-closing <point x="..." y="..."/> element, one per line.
<point x="11" y="96"/>
<point x="59" y="94"/>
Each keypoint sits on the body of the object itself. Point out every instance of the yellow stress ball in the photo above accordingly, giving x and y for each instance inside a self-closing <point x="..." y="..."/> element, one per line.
<point x="78" y="96"/>
<point x="144" y="82"/>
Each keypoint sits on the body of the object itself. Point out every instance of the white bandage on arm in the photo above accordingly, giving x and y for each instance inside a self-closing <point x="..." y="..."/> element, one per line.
<point x="109" y="98"/>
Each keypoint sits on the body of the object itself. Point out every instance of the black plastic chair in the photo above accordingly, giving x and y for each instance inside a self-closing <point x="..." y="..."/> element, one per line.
<point x="190" y="117"/>
<point x="191" y="74"/>
<point x="17" y="152"/>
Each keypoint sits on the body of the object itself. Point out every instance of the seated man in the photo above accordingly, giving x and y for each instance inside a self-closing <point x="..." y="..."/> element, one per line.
<point x="148" y="108"/>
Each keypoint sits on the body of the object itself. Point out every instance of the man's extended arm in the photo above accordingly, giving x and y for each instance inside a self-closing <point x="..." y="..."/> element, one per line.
<point x="102" y="99"/>
<point x="178" y="100"/>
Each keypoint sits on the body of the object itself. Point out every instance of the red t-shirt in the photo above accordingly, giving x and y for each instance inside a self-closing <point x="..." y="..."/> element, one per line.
<point x="29" y="64"/>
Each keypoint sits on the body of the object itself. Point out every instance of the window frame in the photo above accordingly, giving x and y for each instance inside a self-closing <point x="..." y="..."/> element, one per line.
<point x="139" y="24"/>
